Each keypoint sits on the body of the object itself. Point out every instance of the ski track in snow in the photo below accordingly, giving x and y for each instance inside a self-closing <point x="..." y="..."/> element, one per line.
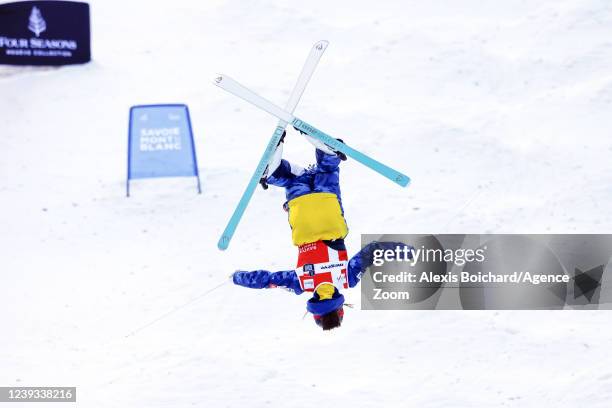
<point x="499" y="112"/>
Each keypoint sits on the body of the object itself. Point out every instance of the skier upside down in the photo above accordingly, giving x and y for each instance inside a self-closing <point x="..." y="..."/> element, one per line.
<point x="318" y="229"/>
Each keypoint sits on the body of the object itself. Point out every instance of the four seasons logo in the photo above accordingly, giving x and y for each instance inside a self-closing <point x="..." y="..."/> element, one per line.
<point x="44" y="32"/>
<point x="37" y="23"/>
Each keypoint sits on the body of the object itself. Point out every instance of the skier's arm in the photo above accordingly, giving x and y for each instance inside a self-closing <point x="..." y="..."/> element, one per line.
<point x="365" y="258"/>
<point x="319" y="145"/>
<point x="262" y="279"/>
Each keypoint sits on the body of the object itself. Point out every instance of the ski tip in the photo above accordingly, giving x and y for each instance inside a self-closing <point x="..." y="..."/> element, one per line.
<point x="223" y="243"/>
<point x="321" y="45"/>
<point x="218" y="78"/>
<point x="402" y="180"/>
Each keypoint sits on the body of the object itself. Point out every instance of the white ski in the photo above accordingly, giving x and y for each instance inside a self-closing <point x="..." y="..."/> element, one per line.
<point x="232" y="86"/>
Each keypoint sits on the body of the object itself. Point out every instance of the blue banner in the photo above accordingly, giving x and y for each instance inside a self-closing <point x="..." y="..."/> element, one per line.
<point x="160" y="143"/>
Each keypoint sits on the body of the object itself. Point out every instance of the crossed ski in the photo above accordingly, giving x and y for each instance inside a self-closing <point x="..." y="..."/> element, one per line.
<point x="286" y="117"/>
<point x="308" y="69"/>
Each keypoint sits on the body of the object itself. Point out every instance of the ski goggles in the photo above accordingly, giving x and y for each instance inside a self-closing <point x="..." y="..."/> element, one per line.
<point x="317" y="318"/>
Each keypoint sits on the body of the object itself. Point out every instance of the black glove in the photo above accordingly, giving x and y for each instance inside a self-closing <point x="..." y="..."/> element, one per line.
<point x="302" y="132"/>
<point x="341" y="155"/>
<point x="282" y="139"/>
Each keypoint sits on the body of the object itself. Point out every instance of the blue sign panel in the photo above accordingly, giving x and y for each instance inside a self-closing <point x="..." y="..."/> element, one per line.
<point x="160" y="143"/>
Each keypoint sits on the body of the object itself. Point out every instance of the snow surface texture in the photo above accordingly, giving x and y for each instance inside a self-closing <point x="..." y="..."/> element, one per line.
<point x="500" y="112"/>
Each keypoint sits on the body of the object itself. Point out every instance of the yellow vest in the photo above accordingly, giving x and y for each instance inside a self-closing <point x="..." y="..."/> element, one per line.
<point x="314" y="217"/>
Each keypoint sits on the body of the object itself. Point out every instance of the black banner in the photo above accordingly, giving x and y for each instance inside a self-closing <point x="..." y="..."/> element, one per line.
<point x="44" y="33"/>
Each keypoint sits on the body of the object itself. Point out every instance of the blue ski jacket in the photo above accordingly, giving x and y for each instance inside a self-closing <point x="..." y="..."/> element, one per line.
<point x="314" y="201"/>
<point x="324" y="177"/>
<point x="262" y="279"/>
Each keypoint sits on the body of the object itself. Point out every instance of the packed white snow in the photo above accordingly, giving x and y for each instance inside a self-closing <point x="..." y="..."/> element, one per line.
<point x="500" y="112"/>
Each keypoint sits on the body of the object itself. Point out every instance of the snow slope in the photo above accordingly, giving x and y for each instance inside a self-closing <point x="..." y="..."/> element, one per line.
<point x="499" y="111"/>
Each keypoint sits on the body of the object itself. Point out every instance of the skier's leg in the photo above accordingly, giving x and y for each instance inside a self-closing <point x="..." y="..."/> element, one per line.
<point x="280" y="172"/>
<point x="276" y="159"/>
<point x="285" y="175"/>
<point x="275" y="162"/>
<point x="319" y="145"/>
